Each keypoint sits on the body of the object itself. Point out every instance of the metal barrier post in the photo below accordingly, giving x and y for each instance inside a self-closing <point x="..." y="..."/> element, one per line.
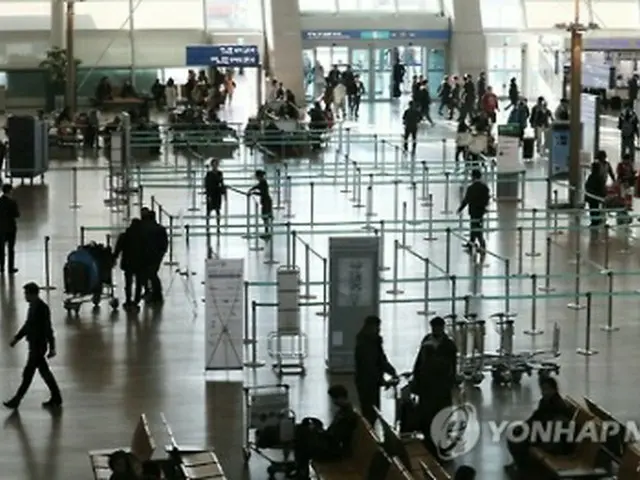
<point x="270" y="257"/>
<point x="447" y="179"/>
<point x="425" y="197"/>
<point x="396" y="199"/>
<point x="307" y="274"/>
<point x="369" y="213"/>
<point x="556" y="230"/>
<point x="312" y="202"/>
<point x="533" y="329"/>
<point x="254" y="363"/>
<point x="430" y="236"/>
<point x="247" y="340"/>
<point x="426" y="312"/>
<point x="609" y="326"/>
<point x="375" y="151"/>
<point x="348" y="149"/>
<point x="278" y="190"/>
<point x="345" y="189"/>
<point x="395" y="290"/>
<point x="547" y="269"/>
<point x="381" y="265"/>
<point x="325" y="295"/>
<point x="194" y="193"/>
<point x="82" y="235"/>
<point x="607" y="248"/>
<point x="414" y="204"/>
<point x="454" y="294"/>
<point x="358" y="196"/>
<point x="576" y="303"/>
<point x="404" y="224"/>
<point x="520" y="248"/>
<point x="397" y="161"/>
<point x="256" y="230"/>
<point x="171" y="262"/>
<point x="523" y="188"/>
<point x="447" y="261"/>
<point x="533" y="253"/>
<point x="354" y="181"/>
<point x="207" y="234"/>
<point x="507" y="286"/>
<point x="587" y="351"/>
<point x="444" y="153"/>
<point x="288" y="200"/>
<point x="74" y="189"/>
<point x="47" y="265"/>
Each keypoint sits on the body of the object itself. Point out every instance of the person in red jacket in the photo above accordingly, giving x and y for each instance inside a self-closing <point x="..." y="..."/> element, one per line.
<point x="490" y="105"/>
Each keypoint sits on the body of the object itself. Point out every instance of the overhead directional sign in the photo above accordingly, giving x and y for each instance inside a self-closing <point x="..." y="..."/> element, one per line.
<point x="376" y="35"/>
<point x="223" y="56"/>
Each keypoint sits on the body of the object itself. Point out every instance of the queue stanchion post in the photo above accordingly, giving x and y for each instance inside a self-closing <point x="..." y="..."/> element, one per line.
<point x="207" y="234"/>
<point x="171" y="262"/>
<point x="414" y="204"/>
<point x="534" y="225"/>
<point x="375" y="151"/>
<point x="256" y="247"/>
<point x="607" y="249"/>
<point x="278" y="190"/>
<point x="307" y="274"/>
<point x="348" y="141"/>
<point x="288" y="197"/>
<point x="325" y="289"/>
<point x="523" y="189"/>
<point x="447" y="190"/>
<point x="74" y="189"/>
<point x="254" y="362"/>
<point x="194" y="194"/>
<point x="354" y="181"/>
<point x="447" y="254"/>
<point x="83" y="235"/>
<point x="426" y="312"/>
<point x="383" y="154"/>
<point x="369" y="214"/>
<point x="576" y="305"/>
<point x="294" y="247"/>
<point x="454" y="297"/>
<point x="47" y="287"/>
<point x="609" y="327"/>
<point x="270" y="257"/>
<point x="444" y="153"/>
<point x="520" y="248"/>
<point x="396" y="260"/>
<point x="507" y="287"/>
<point x="397" y="157"/>
<point x="547" y="268"/>
<point x="358" y="197"/>
<point x="247" y="327"/>
<point x="290" y="236"/>
<point x="404" y="225"/>
<point x="425" y="197"/>
<point x="555" y="230"/>
<point x="396" y="199"/>
<point x="336" y="162"/>
<point x="345" y="189"/>
<point x="587" y="351"/>
<point x="533" y="328"/>
<point x="430" y="233"/>
<point x="312" y="203"/>
<point x="382" y="267"/>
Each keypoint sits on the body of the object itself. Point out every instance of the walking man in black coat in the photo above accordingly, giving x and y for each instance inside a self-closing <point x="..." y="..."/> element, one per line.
<point x="38" y="332"/>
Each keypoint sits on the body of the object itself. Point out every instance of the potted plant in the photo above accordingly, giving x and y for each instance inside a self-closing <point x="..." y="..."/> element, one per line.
<point x="55" y="66"/>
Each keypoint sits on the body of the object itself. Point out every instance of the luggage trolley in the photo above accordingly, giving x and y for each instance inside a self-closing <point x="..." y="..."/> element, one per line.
<point x="270" y="425"/>
<point x="88" y="277"/>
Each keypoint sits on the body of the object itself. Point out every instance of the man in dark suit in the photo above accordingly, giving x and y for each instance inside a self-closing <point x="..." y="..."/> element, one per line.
<point x="9" y="215"/>
<point x="38" y="332"/>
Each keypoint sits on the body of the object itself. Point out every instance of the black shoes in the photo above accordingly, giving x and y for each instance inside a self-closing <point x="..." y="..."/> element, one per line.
<point x="52" y="403"/>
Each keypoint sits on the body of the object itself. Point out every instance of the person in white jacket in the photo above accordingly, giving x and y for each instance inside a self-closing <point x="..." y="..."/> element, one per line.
<point x="318" y="80"/>
<point x="340" y="100"/>
<point x="171" y="94"/>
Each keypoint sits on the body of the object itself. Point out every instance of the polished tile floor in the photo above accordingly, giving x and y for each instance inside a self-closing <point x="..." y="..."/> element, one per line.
<point x="112" y="367"/>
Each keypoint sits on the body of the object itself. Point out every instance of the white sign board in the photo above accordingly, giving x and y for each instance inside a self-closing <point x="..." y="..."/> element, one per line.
<point x="508" y="155"/>
<point x="589" y="122"/>
<point x="354" y="282"/>
<point x="223" y="306"/>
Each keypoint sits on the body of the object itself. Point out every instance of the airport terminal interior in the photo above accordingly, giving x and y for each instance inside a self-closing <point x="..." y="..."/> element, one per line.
<point x="359" y="227"/>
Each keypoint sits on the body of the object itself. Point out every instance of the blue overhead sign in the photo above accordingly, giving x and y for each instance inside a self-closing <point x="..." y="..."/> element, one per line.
<point x="223" y="56"/>
<point x="409" y="35"/>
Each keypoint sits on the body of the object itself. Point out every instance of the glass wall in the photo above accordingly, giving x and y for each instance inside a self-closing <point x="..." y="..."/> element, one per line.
<point x="382" y="6"/>
<point x="234" y="14"/>
<point x="505" y="63"/>
<point x="502" y="14"/>
<point x="545" y="14"/>
<point x="617" y="14"/>
<point x="163" y="15"/>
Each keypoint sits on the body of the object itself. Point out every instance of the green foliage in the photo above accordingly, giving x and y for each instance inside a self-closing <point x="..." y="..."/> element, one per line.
<point x="55" y="63"/>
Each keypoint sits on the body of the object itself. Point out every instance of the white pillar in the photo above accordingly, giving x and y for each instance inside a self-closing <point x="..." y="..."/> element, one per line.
<point x="57" y="38"/>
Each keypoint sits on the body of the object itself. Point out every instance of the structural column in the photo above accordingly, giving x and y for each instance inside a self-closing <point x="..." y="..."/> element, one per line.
<point x="284" y="38"/>
<point x="57" y="24"/>
<point x="468" y="41"/>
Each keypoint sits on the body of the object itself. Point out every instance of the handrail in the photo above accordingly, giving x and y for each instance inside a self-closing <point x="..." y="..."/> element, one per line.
<point x="307" y="246"/>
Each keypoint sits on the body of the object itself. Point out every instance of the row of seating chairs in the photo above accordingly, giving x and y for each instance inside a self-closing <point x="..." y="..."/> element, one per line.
<point x="188" y="464"/>
<point x="389" y="458"/>
<point x="593" y="457"/>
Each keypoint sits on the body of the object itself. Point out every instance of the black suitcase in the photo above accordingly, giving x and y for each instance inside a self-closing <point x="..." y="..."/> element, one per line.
<point x="528" y="148"/>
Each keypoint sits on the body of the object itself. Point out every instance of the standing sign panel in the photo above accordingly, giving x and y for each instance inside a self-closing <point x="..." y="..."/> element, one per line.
<point x="590" y="111"/>
<point x="508" y="162"/>
<point x="354" y="293"/>
<point x="559" y="149"/>
<point x="224" y="300"/>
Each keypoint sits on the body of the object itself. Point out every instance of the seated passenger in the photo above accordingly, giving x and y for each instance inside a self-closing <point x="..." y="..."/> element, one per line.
<point x="551" y="409"/>
<point x="64" y="123"/>
<point x="127" y="90"/>
<point x="123" y="466"/>
<point x="314" y="442"/>
<point x="103" y="91"/>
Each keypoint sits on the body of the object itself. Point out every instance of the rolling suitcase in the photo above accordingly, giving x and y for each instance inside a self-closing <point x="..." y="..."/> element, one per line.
<point x="528" y="145"/>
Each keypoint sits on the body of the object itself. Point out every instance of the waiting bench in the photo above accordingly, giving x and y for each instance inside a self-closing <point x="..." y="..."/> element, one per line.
<point x="412" y="452"/>
<point x="194" y="463"/>
<point x="583" y="462"/>
<point x="366" y="456"/>
<point x="142" y="447"/>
